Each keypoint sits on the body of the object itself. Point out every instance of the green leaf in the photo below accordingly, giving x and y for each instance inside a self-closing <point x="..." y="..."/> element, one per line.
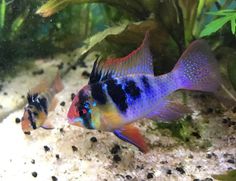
<point x="233" y="25"/>
<point x="2" y="13"/>
<point x="225" y="12"/>
<point x="214" y="26"/>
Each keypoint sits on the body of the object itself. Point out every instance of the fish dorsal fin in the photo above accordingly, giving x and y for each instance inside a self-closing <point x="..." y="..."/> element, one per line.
<point x="138" y="61"/>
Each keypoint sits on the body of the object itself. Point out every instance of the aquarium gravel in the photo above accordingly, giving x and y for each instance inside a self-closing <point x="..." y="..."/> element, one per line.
<point x="69" y="153"/>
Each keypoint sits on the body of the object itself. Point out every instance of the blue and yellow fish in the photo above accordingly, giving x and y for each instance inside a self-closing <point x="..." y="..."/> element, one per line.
<point x="124" y="90"/>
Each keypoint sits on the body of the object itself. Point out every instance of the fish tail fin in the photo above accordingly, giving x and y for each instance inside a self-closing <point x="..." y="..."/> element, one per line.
<point x="197" y="68"/>
<point x="57" y="84"/>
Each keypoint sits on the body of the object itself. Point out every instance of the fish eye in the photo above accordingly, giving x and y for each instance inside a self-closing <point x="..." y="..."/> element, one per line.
<point x="86" y="105"/>
<point x="35" y="113"/>
<point x="30" y="106"/>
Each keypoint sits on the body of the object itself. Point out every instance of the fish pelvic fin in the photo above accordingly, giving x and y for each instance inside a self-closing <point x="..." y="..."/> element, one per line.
<point x="131" y="134"/>
<point x="197" y="68"/>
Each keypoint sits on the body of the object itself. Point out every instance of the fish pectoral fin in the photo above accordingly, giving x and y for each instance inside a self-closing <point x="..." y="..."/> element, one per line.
<point x="53" y="104"/>
<point x="131" y="134"/>
<point x="169" y="111"/>
<point x="47" y="124"/>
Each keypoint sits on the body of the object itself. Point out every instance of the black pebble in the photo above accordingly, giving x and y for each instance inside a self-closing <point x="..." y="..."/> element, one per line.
<point x="169" y="172"/>
<point x="85" y="74"/>
<point x="34" y="174"/>
<point x="33" y="161"/>
<point x="196" y="134"/>
<point x="38" y="72"/>
<point x="27" y="132"/>
<point x="54" y="178"/>
<point x="207" y="179"/>
<point x="209" y="156"/>
<point x="164" y="162"/>
<point x="17" y="120"/>
<point x="196" y="179"/>
<point x="74" y="148"/>
<point x="62" y="131"/>
<point x="93" y="139"/>
<point x="73" y="67"/>
<point x="189" y="118"/>
<point x="128" y="177"/>
<point x="57" y="156"/>
<point x="209" y="110"/>
<point x="5" y="93"/>
<point x="60" y="66"/>
<point x="82" y="64"/>
<point x="23" y="96"/>
<point x="72" y="96"/>
<point x="46" y="148"/>
<point x="190" y="156"/>
<point x="116" y="158"/>
<point x="180" y="170"/>
<point x="140" y="167"/>
<point x="63" y="103"/>
<point x="225" y="121"/>
<point x="234" y="110"/>
<point x="231" y="161"/>
<point x="149" y="175"/>
<point x="115" y="149"/>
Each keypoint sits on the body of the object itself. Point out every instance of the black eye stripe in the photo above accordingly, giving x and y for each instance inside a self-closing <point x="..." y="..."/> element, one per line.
<point x="33" y="124"/>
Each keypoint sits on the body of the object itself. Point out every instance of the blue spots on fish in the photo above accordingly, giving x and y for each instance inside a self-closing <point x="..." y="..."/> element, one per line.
<point x="98" y="93"/>
<point x="132" y="89"/>
<point x="117" y="94"/>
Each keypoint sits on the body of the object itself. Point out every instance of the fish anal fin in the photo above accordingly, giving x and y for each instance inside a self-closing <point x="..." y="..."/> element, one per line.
<point x="53" y="104"/>
<point x="169" y="111"/>
<point x="131" y="134"/>
<point x="47" y="124"/>
<point x="138" y="61"/>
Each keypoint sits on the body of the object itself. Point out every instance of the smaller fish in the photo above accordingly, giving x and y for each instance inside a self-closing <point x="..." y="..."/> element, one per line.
<point x="41" y="100"/>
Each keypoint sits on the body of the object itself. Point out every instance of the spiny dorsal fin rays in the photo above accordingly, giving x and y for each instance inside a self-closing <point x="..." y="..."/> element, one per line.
<point x="138" y="61"/>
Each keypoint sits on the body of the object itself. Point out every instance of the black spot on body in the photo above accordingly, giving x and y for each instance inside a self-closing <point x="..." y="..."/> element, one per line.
<point x="117" y="94"/>
<point x="145" y="82"/>
<point x="98" y="93"/>
<point x="132" y="89"/>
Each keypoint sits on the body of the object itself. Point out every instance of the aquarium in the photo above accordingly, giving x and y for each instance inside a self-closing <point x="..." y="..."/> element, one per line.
<point x="118" y="90"/>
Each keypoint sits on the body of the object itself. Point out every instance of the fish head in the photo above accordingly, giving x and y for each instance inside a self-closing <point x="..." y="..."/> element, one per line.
<point x="31" y="119"/>
<point x="79" y="113"/>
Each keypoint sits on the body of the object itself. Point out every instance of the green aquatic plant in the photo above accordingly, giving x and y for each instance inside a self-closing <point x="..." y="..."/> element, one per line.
<point x="228" y="176"/>
<point x="224" y="16"/>
<point x="2" y="13"/>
